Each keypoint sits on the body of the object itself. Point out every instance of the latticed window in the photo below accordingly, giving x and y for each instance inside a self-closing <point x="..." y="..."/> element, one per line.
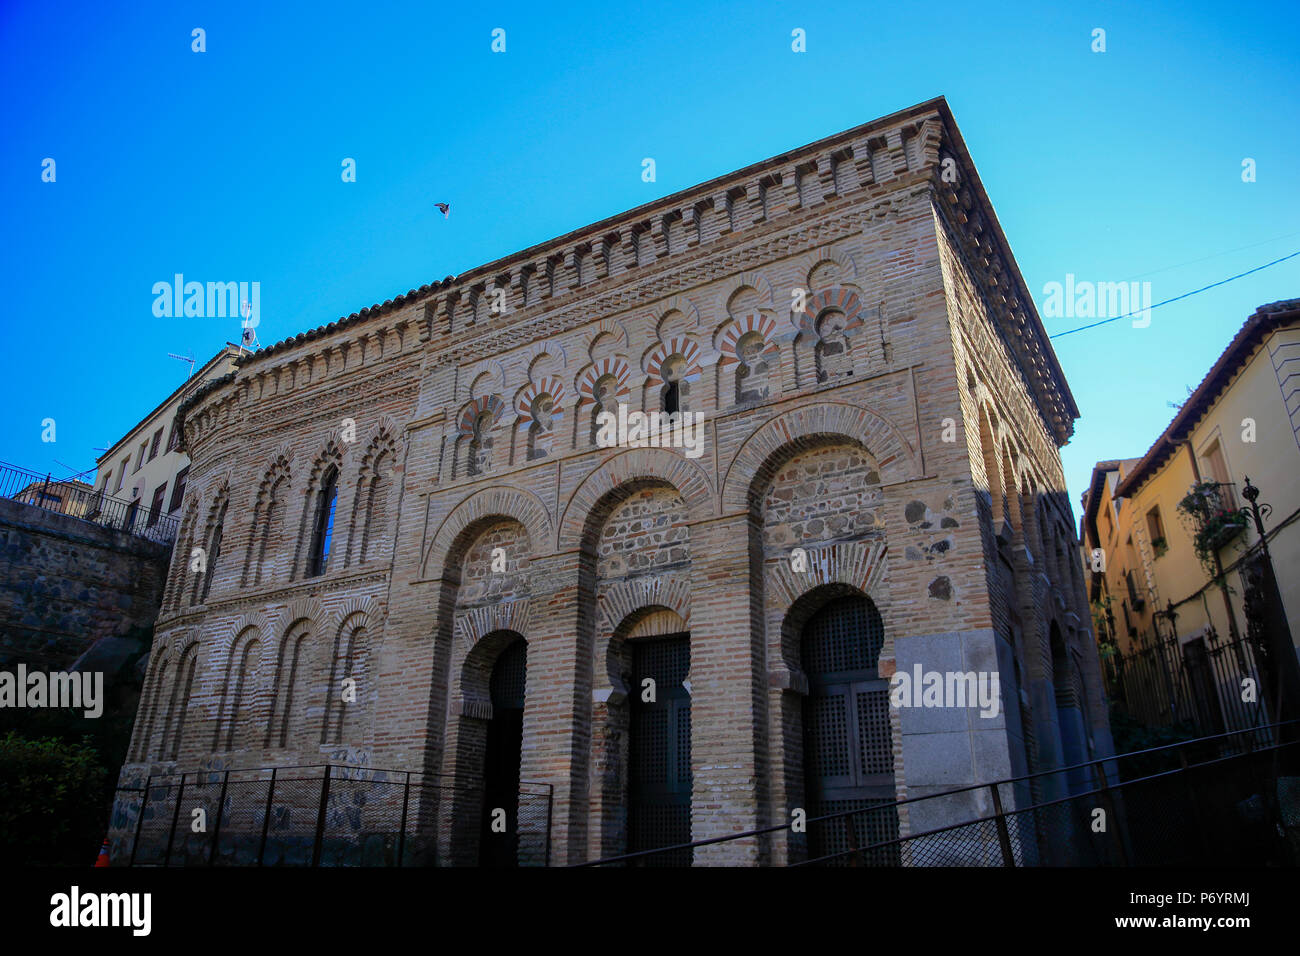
<point x="659" y="770"/>
<point x="848" y="742"/>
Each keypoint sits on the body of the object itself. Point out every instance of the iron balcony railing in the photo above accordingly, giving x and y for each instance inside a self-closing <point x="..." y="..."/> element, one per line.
<point x="1212" y="800"/>
<point x="321" y="815"/>
<point x="1193" y="684"/>
<point x="73" y="498"/>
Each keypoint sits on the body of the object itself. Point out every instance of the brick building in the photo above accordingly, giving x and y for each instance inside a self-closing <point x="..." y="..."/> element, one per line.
<point x="414" y="499"/>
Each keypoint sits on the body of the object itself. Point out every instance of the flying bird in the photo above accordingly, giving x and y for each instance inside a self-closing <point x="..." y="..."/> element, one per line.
<point x="444" y="208"/>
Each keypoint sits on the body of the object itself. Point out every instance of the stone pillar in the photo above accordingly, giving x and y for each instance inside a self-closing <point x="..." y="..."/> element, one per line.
<point x="947" y="747"/>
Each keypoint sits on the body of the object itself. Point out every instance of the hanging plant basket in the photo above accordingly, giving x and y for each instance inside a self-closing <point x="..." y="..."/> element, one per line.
<point x="1213" y="523"/>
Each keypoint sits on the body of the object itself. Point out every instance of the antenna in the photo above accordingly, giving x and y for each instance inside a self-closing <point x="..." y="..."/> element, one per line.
<point x="248" y="336"/>
<point x="184" y="358"/>
<point x="75" y="477"/>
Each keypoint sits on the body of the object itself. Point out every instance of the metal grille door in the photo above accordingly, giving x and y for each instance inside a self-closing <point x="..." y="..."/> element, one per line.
<point x="848" y="744"/>
<point x="504" y="744"/>
<point x="659" y="757"/>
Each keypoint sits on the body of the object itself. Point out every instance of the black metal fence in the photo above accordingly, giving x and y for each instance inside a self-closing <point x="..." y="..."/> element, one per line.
<point x="324" y="815"/>
<point x="79" y="500"/>
<point x="1201" y="685"/>
<point x="1210" y="801"/>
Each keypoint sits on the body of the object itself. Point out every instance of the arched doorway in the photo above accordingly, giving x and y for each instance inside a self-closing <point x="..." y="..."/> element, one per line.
<point x="659" y="749"/>
<point x="848" y="741"/>
<point x="505" y="734"/>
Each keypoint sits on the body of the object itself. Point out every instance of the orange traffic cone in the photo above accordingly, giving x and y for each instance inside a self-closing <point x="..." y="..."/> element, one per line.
<point x="102" y="860"/>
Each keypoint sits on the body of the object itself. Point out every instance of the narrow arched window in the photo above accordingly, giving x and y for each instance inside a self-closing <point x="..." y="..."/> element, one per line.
<point x="324" y="527"/>
<point x="673" y="372"/>
<point x="672" y="398"/>
<point x="214" y="552"/>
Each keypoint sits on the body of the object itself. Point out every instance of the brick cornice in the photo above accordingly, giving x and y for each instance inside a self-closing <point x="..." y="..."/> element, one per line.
<point x="680" y="273"/>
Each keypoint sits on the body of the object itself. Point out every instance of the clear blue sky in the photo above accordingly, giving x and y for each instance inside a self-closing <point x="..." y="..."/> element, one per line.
<point x="225" y="165"/>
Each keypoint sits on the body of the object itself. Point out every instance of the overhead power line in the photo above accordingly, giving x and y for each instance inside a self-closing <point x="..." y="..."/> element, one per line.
<point x="1176" y="298"/>
<point x="1213" y="255"/>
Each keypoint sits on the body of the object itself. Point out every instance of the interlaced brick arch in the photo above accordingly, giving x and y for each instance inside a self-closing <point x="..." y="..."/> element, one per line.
<point x="843" y="299"/>
<point x="457" y="529"/>
<point x="466" y="436"/>
<point x="269" y="503"/>
<point x="331" y="456"/>
<point x="181" y="559"/>
<point x="741" y="326"/>
<point x="822" y="353"/>
<point x="764" y="451"/>
<point x="598" y="370"/>
<point x="371" y="498"/>
<point x="534" y="434"/>
<point x="216" y="519"/>
<point x="161" y="661"/>
<point x="548" y="385"/>
<point x="677" y="345"/>
<point x="619" y="476"/>
<point x="241" y="686"/>
<point x="345" y="720"/>
<point x="470" y="413"/>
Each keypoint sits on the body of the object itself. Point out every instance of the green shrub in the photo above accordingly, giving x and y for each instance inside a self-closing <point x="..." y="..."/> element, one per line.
<point x="1131" y="737"/>
<point x="46" y="788"/>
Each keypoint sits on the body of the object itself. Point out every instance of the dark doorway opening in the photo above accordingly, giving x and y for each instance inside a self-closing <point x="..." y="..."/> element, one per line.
<point x="848" y="742"/>
<point x="505" y="737"/>
<point x="659" y="750"/>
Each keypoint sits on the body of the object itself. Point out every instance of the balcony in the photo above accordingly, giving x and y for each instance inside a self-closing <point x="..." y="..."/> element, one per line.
<point x="79" y="500"/>
<point x="1210" y="508"/>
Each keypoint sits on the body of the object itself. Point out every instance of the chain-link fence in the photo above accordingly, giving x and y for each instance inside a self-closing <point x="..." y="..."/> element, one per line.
<point x="320" y="816"/>
<point x="1210" y="801"/>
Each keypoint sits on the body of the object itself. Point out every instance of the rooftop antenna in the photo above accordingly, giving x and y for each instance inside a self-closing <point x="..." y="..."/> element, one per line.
<point x="248" y="334"/>
<point x="78" y="475"/>
<point x="184" y="358"/>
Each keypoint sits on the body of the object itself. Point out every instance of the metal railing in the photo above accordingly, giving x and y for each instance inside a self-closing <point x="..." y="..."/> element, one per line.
<point x="320" y="815"/>
<point x="1195" y="684"/>
<point x="1207" y="801"/>
<point x="79" y="500"/>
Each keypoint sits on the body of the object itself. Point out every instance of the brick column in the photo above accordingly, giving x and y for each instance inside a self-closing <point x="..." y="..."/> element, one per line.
<point x="557" y="710"/>
<point x="728" y="693"/>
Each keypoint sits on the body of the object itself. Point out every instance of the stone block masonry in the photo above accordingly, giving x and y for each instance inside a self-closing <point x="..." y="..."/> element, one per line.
<point x="68" y="584"/>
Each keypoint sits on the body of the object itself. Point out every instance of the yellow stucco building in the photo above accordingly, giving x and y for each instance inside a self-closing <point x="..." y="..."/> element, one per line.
<point x="1141" y="549"/>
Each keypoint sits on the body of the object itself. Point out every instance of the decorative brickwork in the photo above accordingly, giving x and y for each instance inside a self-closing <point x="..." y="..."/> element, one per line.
<point x="881" y="418"/>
